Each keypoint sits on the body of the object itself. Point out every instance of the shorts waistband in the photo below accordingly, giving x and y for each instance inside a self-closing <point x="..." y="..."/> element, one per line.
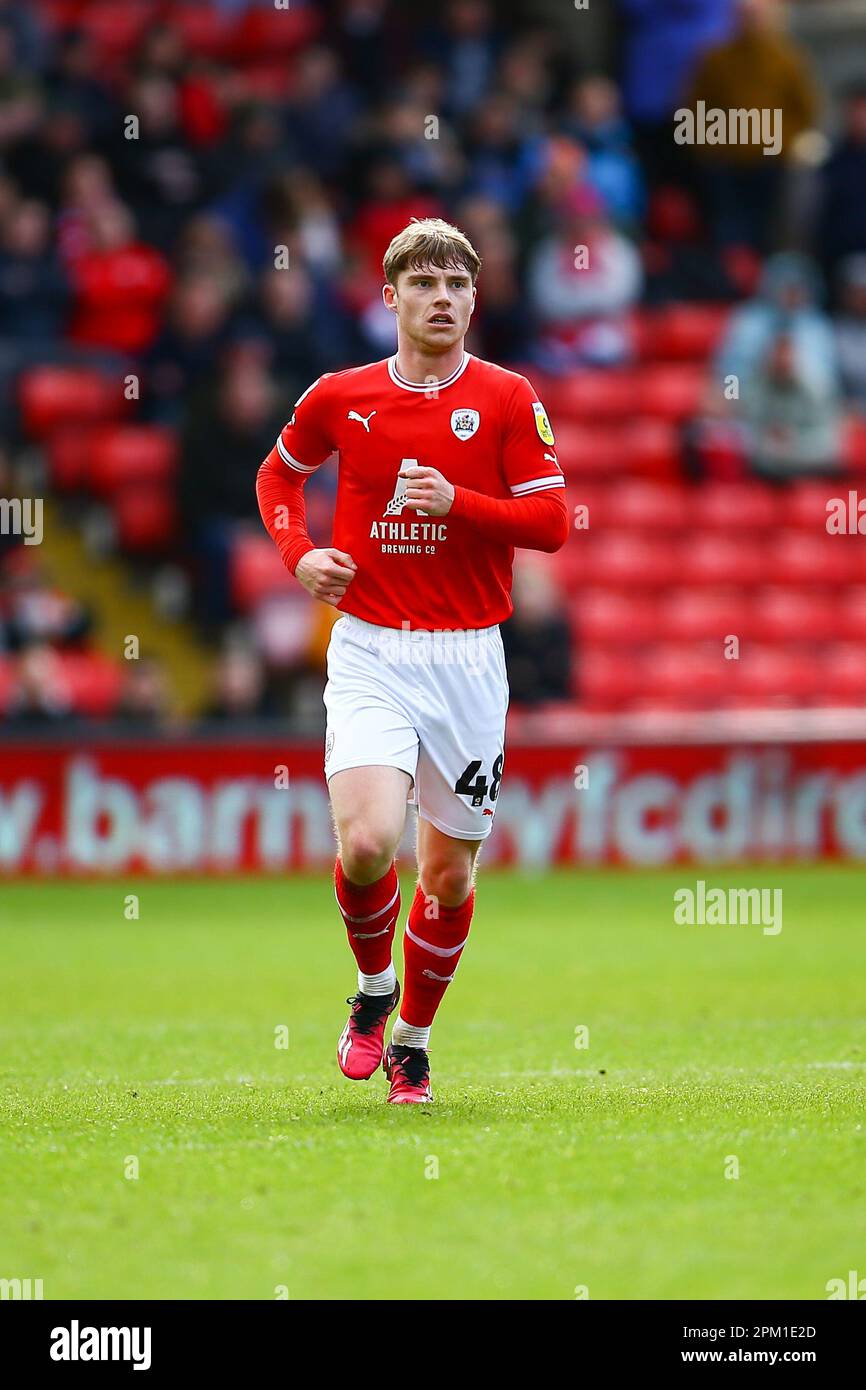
<point x="441" y="635"/>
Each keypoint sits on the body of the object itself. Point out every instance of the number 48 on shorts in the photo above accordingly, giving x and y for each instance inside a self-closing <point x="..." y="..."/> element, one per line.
<point x="473" y="783"/>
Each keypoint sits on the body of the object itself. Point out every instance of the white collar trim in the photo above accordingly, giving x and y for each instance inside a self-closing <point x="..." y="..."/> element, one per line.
<point x="399" y="380"/>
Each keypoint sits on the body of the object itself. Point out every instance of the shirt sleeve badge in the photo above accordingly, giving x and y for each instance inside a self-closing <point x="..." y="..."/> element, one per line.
<point x="542" y="424"/>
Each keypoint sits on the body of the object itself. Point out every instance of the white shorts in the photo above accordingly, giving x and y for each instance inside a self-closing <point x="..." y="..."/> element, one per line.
<point x="431" y="703"/>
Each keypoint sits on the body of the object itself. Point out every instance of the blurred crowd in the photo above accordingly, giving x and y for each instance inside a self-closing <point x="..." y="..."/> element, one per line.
<point x="214" y="221"/>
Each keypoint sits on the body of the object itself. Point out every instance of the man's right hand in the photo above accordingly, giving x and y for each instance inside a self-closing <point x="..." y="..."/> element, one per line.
<point x="326" y="574"/>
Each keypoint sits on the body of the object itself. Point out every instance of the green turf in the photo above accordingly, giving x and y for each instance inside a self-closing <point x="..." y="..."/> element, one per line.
<point x="557" y="1167"/>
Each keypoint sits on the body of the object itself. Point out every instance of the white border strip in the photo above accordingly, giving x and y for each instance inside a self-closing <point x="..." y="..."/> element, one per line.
<point x="536" y="484"/>
<point x="291" y="460"/>
<point x="399" y="380"/>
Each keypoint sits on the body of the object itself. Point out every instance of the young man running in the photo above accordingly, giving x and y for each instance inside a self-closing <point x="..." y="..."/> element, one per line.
<point x="446" y="463"/>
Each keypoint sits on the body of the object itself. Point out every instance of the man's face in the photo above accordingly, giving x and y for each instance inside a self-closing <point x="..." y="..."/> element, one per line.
<point x="433" y="306"/>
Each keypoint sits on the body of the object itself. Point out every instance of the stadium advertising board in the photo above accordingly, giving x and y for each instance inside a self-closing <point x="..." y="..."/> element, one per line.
<point x="259" y="807"/>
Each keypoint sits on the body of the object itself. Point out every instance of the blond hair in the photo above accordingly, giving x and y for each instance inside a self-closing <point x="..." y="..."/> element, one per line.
<point x="430" y="242"/>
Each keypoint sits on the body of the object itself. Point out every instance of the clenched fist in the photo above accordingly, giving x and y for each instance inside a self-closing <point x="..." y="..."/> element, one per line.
<point x="427" y="491"/>
<point x="326" y="574"/>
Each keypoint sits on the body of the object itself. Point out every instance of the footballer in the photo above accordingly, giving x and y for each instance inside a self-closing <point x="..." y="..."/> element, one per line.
<point x="446" y="464"/>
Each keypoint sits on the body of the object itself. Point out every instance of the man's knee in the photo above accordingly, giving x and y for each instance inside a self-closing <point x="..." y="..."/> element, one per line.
<point x="366" y="852"/>
<point x="449" y="881"/>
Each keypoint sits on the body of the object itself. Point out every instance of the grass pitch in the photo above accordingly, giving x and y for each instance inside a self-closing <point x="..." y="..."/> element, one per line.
<point x="149" y="1046"/>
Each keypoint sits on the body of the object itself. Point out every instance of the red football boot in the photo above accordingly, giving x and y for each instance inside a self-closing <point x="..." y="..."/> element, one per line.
<point x="408" y="1070"/>
<point x="359" y="1050"/>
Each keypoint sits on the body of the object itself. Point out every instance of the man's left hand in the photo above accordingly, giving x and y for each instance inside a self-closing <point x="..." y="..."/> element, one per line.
<point x="427" y="491"/>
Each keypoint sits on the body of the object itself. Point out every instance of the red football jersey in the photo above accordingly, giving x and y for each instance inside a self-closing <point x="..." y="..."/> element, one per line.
<point x="483" y="428"/>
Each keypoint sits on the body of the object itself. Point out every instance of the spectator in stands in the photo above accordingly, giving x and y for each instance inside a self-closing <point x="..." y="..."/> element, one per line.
<point x="145" y="696"/>
<point x="160" y="176"/>
<point x="786" y="304"/>
<point x="187" y="350"/>
<point x="119" y="286"/>
<point x="664" y="40"/>
<point x="205" y="247"/>
<point x="525" y="77"/>
<point x="402" y="130"/>
<point x="34" y="291"/>
<point x="581" y="283"/>
<point x="87" y="187"/>
<point x="792" y="419"/>
<point x="21" y="98"/>
<point x="240" y="689"/>
<point x="499" y="330"/>
<point x="594" y="117"/>
<point x="305" y="327"/>
<point x="229" y="429"/>
<point x="75" y="84"/>
<point x="502" y="160"/>
<point x="38" y="613"/>
<point x="390" y="202"/>
<point x="841" y="227"/>
<point x="466" y="47"/>
<point x="537" y="638"/>
<point x="759" y="68"/>
<point x="39" y="693"/>
<point x="851" y="330"/>
<point x="321" y="113"/>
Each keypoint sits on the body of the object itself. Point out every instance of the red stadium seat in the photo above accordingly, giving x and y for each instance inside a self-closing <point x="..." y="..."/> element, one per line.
<point x="854" y="445"/>
<point x="69" y="452"/>
<point x="670" y="391"/>
<point x="590" y="451"/>
<point x="796" y="557"/>
<point x="646" y="505"/>
<point x="683" y="332"/>
<point x="607" y="680"/>
<point x="205" y="30"/>
<point x="850" y="614"/>
<point x="115" y="29"/>
<point x="145" y="517"/>
<point x="715" y="560"/>
<point x="592" y="395"/>
<point x="261" y="32"/>
<point x="776" y="675"/>
<point x="7" y="683"/>
<point x="736" y="507"/>
<point x="842" y="674"/>
<point x="599" y="500"/>
<point x="54" y="398"/>
<point x="694" y="615"/>
<point x="804" y="504"/>
<point x="654" y="448"/>
<point x="618" y="560"/>
<point x="783" y="614"/>
<point x="608" y="449"/>
<point x="605" y="618"/>
<point x="696" y="674"/>
<point x="93" y="682"/>
<point x="256" y="571"/>
<point x="132" y="454"/>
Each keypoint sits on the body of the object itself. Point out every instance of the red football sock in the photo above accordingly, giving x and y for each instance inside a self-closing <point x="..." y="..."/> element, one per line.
<point x="432" y="948"/>
<point x="370" y="912"/>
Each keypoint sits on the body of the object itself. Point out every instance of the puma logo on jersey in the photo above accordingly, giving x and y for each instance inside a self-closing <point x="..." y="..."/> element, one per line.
<point x="553" y="459"/>
<point x="362" y="420"/>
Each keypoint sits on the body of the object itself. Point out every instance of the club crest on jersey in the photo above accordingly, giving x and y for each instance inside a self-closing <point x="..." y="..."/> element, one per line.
<point x="464" y="423"/>
<point x="542" y="424"/>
